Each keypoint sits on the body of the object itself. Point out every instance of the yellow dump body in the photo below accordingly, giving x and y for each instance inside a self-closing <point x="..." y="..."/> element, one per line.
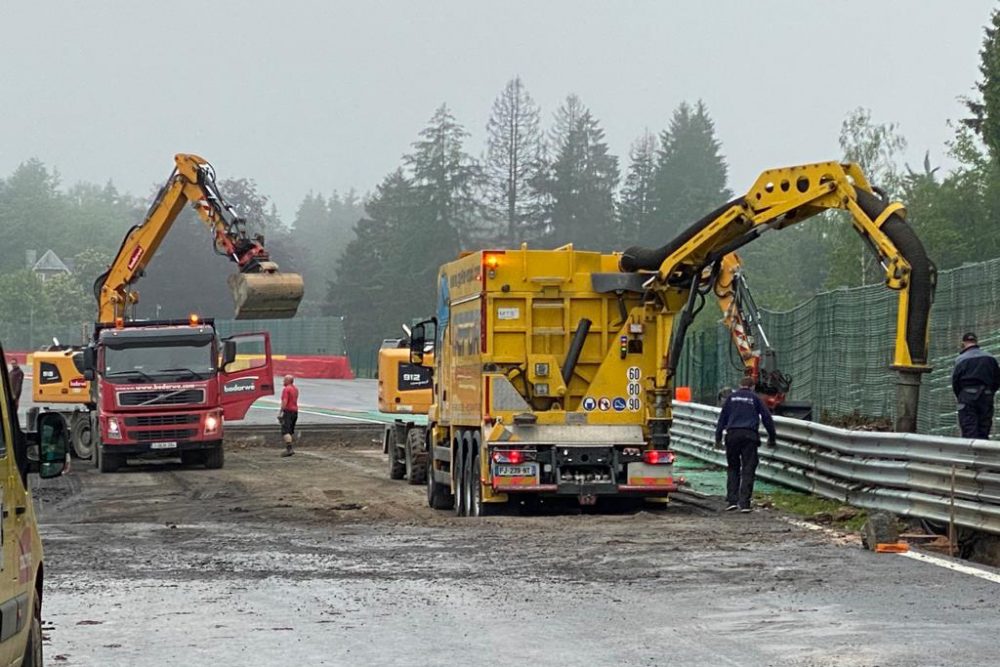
<point x="507" y="321"/>
<point x="403" y="387"/>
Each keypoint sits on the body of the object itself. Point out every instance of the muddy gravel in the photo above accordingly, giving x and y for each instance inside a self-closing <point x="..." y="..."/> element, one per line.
<point x="320" y="559"/>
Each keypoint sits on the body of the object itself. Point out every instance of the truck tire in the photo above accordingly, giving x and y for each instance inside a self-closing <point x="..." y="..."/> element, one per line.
<point x="476" y="505"/>
<point x="416" y="459"/>
<point x="215" y="457"/>
<point x="81" y="436"/>
<point x="33" y="647"/>
<point x="108" y="462"/>
<point x="438" y="497"/>
<point x="458" y="475"/>
<point x="397" y="468"/>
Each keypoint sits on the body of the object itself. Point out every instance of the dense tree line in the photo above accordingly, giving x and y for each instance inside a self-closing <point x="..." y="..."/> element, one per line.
<point x="542" y="179"/>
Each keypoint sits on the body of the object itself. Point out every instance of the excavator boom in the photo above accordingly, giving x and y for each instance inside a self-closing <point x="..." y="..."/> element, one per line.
<point x="259" y="290"/>
<point x="692" y="264"/>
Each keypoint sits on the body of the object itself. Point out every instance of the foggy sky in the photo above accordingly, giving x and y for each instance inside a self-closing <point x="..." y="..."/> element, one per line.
<point x="320" y="95"/>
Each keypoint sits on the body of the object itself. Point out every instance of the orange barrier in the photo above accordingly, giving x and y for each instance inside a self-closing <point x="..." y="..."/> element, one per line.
<point x="683" y="394"/>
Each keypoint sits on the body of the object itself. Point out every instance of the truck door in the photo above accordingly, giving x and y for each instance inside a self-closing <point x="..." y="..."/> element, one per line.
<point x="247" y="376"/>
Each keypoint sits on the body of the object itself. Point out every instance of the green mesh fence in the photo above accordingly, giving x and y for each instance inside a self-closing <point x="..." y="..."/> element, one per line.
<point x="837" y="347"/>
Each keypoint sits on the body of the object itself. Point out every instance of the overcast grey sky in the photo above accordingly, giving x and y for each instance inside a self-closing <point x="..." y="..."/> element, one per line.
<point x="326" y="95"/>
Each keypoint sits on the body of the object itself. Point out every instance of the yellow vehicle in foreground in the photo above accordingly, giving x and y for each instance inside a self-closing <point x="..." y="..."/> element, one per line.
<point x="554" y="369"/>
<point x="41" y="450"/>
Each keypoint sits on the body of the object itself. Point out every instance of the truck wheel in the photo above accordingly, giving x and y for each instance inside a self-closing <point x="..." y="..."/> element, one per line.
<point x="33" y="648"/>
<point x="215" y="457"/>
<point x="438" y="497"/>
<point x="397" y="468"/>
<point x="416" y="461"/>
<point x="108" y="462"/>
<point x="81" y="436"/>
<point x="458" y="475"/>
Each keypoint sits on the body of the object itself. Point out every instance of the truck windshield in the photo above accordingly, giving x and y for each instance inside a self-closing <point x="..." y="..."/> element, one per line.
<point x="180" y="360"/>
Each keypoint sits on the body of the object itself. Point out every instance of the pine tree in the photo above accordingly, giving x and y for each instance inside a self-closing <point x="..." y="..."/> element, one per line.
<point x="514" y="160"/>
<point x="581" y="181"/>
<point x="636" y="209"/>
<point x="690" y="174"/>
<point x="447" y="180"/>
<point x="985" y="120"/>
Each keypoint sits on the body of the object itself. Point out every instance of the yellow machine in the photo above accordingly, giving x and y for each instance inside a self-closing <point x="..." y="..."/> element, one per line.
<point x="259" y="290"/>
<point x="404" y="388"/>
<point x="43" y="450"/>
<point x="554" y="369"/>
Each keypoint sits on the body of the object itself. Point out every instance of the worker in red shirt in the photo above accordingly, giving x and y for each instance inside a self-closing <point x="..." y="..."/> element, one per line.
<point x="289" y="413"/>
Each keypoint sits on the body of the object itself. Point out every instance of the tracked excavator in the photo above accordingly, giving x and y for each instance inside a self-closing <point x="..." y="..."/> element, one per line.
<point x="162" y="353"/>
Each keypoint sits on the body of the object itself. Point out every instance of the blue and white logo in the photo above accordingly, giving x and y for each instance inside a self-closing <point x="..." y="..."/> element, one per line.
<point x="618" y="404"/>
<point x="589" y="403"/>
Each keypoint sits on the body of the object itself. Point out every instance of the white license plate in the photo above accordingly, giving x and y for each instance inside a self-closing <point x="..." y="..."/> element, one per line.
<point x="520" y="470"/>
<point x="162" y="445"/>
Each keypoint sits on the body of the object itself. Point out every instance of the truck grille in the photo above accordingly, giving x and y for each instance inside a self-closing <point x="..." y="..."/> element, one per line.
<point x="165" y="434"/>
<point x="161" y="420"/>
<point x="135" y="398"/>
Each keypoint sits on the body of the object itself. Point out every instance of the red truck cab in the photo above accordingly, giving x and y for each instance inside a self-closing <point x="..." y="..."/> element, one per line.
<point x="166" y="389"/>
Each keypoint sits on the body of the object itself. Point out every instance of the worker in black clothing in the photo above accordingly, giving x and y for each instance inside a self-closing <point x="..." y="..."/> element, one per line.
<point x="975" y="380"/>
<point x="740" y="419"/>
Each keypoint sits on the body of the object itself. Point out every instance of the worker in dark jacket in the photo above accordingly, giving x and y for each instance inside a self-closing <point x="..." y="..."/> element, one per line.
<point x="975" y="380"/>
<point x="740" y="419"/>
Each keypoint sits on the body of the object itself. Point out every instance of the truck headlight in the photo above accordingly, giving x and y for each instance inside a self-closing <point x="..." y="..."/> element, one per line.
<point x="114" y="430"/>
<point x="211" y="424"/>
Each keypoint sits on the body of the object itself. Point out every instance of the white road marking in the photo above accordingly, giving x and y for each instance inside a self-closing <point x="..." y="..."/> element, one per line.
<point x="952" y="565"/>
<point x="319" y="414"/>
<point x="915" y="555"/>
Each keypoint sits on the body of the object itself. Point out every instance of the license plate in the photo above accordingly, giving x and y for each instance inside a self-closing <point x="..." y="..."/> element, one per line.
<point x="511" y="470"/>
<point x="162" y="445"/>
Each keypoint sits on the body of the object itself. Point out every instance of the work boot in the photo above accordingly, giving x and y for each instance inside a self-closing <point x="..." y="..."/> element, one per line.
<point x="288" y="451"/>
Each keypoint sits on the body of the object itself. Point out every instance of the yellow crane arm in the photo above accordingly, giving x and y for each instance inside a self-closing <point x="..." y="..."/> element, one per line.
<point x="260" y="291"/>
<point x="693" y="262"/>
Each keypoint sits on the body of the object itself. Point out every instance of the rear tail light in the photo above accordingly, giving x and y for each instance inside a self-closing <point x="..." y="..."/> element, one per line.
<point x="513" y="456"/>
<point x="658" y="457"/>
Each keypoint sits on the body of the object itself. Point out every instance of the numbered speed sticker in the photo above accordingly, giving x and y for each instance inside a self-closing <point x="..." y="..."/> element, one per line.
<point x="634" y="389"/>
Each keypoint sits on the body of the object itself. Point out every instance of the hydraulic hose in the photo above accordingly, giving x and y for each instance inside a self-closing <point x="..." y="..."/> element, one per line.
<point x="638" y="258"/>
<point x="922" y="273"/>
<point x="575" y="347"/>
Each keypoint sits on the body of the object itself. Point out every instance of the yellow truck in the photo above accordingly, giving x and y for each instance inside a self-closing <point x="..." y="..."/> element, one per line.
<point x="553" y="370"/>
<point x="42" y="449"/>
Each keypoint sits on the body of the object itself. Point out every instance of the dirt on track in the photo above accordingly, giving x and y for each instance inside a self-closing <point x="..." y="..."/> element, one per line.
<point x="320" y="559"/>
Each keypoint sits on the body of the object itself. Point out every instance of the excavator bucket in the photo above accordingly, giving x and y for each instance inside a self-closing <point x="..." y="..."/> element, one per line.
<point x="266" y="295"/>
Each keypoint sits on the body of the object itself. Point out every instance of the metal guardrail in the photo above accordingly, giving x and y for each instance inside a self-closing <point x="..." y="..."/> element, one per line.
<point x="920" y="476"/>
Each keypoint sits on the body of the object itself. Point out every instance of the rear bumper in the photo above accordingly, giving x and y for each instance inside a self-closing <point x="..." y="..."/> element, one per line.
<point x="583" y="470"/>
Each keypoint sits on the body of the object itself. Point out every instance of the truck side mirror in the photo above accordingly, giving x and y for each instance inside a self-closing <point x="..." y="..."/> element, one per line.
<point x="89" y="362"/>
<point x="48" y="446"/>
<point x="228" y="352"/>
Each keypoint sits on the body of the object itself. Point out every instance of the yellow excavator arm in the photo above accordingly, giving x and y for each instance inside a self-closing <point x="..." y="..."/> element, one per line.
<point x="259" y="290"/>
<point x="695" y="262"/>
